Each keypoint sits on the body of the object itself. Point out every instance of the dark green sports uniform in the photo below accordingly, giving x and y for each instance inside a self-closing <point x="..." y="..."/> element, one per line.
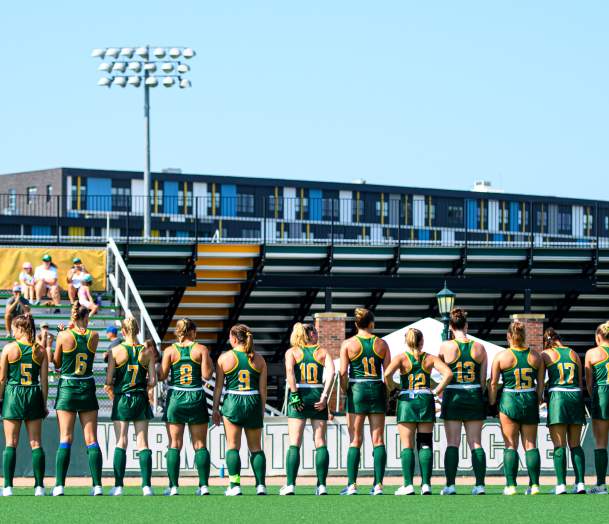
<point x="566" y="405"/>
<point x="519" y="396"/>
<point x="186" y="403"/>
<point x="130" y="388"/>
<point x="416" y="401"/>
<point x="366" y="393"/>
<point x="600" y="388"/>
<point x="76" y="389"/>
<point x="309" y="379"/>
<point x="242" y="403"/>
<point x="23" y="396"/>
<point x="462" y="398"/>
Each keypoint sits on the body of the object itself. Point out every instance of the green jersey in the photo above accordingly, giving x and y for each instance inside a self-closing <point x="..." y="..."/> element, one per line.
<point x="563" y="372"/>
<point x="367" y="364"/>
<point x="417" y="377"/>
<point x="185" y="372"/>
<point x="600" y="370"/>
<point x="522" y="375"/>
<point x="465" y="368"/>
<point x="308" y="369"/>
<point x="78" y="362"/>
<point x="24" y="371"/>
<point x="132" y="374"/>
<point x="244" y="376"/>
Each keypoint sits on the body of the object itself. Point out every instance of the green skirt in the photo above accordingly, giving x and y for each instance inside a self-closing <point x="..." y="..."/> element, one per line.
<point x="520" y="407"/>
<point x="310" y="396"/>
<point x="366" y="398"/>
<point x="463" y="404"/>
<point x="76" y="395"/>
<point x="566" y="407"/>
<point x="130" y="407"/>
<point x="23" y="403"/>
<point x="415" y="408"/>
<point x="186" y="407"/>
<point x="245" y="411"/>
<point x="600" y="403"/>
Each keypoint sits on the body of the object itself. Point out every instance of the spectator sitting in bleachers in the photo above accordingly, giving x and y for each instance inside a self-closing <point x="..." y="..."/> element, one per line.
<point x="74" y="278"/>
<point x="44" y="339"/>
<point x="47" y="282"/>
<point x="16" y="305"/>
<point x="114" y="338"/>
<point x="84" y="295"/>
<point x="26" y="281"/>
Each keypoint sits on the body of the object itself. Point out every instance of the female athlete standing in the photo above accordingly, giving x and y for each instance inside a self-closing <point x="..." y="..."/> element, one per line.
<point x="131" y="373"/>
<point x="416" y="411"/>
<point x="566" y="411"/>
<point x="305" y="364"/>
<point x="187" y="364"/>
<point x="245" y="374"/>
<point x="76" y="395"/>
<point x="463" y="403"/>
<point x="522" y="371"/>
<point x="362" y="360"/>
<point x="23" y="387"/>
<point x="597" y="382"/>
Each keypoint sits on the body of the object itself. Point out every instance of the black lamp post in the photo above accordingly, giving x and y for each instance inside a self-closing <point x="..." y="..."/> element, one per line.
<point x="446" y="301"/>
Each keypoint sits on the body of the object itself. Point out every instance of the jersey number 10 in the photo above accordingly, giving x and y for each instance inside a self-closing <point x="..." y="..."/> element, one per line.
<point x="308" y="373"/>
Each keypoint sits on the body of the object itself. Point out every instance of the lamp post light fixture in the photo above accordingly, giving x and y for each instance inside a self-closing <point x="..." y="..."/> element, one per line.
<point x="146" y="67"/>
<point x="446" y="301"/>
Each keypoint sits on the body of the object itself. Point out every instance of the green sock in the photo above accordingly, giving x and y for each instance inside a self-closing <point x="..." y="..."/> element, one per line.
<point x="479" y="465"/>
<point x="292" y="463"/>
<point x="451" y="463"/>
<point x="510" y="466"/>
<point x="380" y="461"/>
<point x="203" y="462"/>
<point x="95" y="463"/>
<point x="579" y="463"/>
<point x="353" y="457"/>
<point x="600" y="464"/>
<point x="425" y="464"/>
<point x="9" y="460"/>
<point x="533" y="461"/>
<point x="173" y="466"/>
<point x="120" y="463"/>
<point x="146" y="467"/>
<point x="322" y="463"/>
<point x="258" y="460"/>
<point x="233" y="464"/>
<point x="38" y="466"/>
<point x="62" y="463"/>
<point x="407" y="457"/>
<point x="560" y="465"/>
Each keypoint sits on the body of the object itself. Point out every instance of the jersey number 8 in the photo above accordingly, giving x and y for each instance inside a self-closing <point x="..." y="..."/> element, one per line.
<point x="185" y="374"/>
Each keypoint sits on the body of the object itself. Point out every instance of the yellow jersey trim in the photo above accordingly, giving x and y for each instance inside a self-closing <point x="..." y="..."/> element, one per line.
<point x="64" y="350"/>
<point x="20" y="354"/>
<point x="361" y="350"/>
<point x="231" y="370"/>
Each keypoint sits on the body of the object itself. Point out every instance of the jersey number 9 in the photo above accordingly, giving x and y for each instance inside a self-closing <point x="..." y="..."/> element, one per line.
<point x="244" y="380"/>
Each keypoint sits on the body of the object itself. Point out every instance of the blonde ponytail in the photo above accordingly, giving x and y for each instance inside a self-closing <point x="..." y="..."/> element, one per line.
<point x="245" y="338"/>
<point x="414" y="340"/>
<point x="298" y="338"/>
<point x="185" y="326"/>
<point x="130" y="327"/>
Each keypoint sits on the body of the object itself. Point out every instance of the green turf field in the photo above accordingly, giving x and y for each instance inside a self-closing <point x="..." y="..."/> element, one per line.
<point x="132" y="507"/>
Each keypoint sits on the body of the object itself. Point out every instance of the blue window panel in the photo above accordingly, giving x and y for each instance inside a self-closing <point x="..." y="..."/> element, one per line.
<point x="423" y="234"/>
<point x="472" y="214"/>
<point x="315" y="204"/>
<point x="228" y="205"/>
<point x="170" y="198"/>
<point x="498" y="237"/>
<point x="99" y="194"/>
<point x="182" y="234"/>
<point x="514" y="209"/>
<point x="41" y="231"/>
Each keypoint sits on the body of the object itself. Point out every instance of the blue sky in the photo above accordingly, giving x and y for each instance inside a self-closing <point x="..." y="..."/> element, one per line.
<point x="437" y="93"/>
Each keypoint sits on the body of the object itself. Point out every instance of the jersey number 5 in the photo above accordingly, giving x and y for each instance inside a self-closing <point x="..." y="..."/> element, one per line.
<point x="26" y="374"/>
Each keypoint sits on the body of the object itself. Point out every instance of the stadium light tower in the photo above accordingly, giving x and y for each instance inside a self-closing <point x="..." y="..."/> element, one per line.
<point x="145" y="67"/>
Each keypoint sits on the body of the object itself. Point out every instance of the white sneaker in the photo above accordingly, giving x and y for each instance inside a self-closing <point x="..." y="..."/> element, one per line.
<point x="58" y="491"/>
<point x="376" y="490"/>
<point x="39" y="491"/>
<point x="287" y="490"/>
<point x="7" y="492"/>
<point x="351" y="489"/>
<point x="260" y="490"/>
<point x="510" y="490"/>
<point x="97" y="491"/>
<point x="233" y="492"/>
<point x="598" y="490"/>
<point x="425" y="489"/>
<point x="560" y="489"/>
<point x="171" y="492"/>
<point x="116" y="491"/>
<point x="405" y="490"/>
<point x="532" y="490"/>
<point x="448" y="490"/>
<point x="202" y="491"/>
<point x="478" y="490"/>
<point x="147" y="491"/>
<point x="579" y="489"/>
<point x="321" y="490"/>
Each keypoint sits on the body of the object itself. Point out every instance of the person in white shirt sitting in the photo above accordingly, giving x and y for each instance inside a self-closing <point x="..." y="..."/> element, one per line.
<point x="74" y="278"/>
<point x="46" y="281"/>
<point x="26" y="281"/>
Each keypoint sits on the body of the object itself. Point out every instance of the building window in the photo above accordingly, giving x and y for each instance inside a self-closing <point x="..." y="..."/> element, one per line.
<point x="385" y="206"/>
<point x="358" y="210"/>
<point x="245" y="205"/>
<point x="305" y="207"/>
<point x="12" y="200"/>
<point x="455" y="215"/>
<point x="49" y="192"/>
<point x="185" y="206"/>
<point x="250" y="233"/>
<point x="330" y="207"/>
<point x="121" y="198"/>
<point x="31" y="194"/>
<point x="275" y="202"/>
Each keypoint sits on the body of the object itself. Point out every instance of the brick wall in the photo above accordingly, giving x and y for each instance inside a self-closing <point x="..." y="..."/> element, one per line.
<point x="533" y="324"/>
<point x="331" y="330"/>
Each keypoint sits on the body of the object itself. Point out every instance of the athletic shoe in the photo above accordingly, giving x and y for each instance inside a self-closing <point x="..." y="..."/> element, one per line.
<point x="7" y="492"/>
<point x="579" y="489"/>
<point x="598" y="490"/>
<point x="560" y="489"/>
<point x="233" y="492"/>
<point x="147" y="491"/>
<point x="96" y="491"/>
<point x="116" y="491"/>
<point x="321" y="490"/>
<point x="448" y="490"/>
<point x="376" y="490"/>
<point x="510" y="490"/>
<point x="532" y="490"/>
<point x="287" y="490"/>
<point x="171" y="492"/>
<point x="351" y="489"/>
<point x="425" y="489"/>
<point x="202" y="491"/>
<point x="261" y="490"/>
<point x="58" y="491"/>
<point x="405" y="490"/>
<point x="39" y="491"/>
<point x="478" y="490"/>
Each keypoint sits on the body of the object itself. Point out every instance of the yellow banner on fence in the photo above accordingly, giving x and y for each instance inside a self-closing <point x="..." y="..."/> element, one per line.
<point x="12" y="259"/>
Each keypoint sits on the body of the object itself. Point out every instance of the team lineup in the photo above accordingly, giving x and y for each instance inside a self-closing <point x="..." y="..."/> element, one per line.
<point x="520" y="380"/>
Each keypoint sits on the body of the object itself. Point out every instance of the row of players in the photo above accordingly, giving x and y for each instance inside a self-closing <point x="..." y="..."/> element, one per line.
<point x="366" y="371"/>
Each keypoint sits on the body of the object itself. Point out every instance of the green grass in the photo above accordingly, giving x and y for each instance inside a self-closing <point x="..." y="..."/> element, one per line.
<point x="132" y="507"/>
